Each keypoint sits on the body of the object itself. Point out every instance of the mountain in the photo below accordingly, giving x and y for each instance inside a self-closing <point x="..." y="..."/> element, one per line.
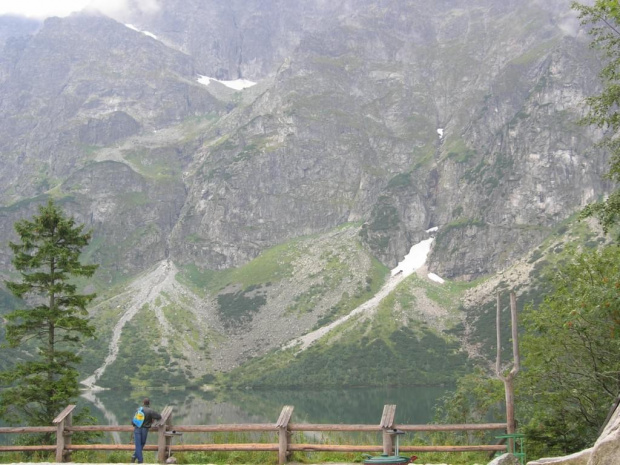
<point x="236" y="220"/>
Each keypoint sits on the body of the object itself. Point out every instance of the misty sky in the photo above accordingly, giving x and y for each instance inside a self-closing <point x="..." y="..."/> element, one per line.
<point x="41" y="9"/>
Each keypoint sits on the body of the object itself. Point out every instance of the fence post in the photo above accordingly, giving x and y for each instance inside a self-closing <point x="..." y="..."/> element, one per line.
<point x="163" y="440"/>
<point x="284" y="435"/>
<point x="63" y="437"/>
<point x="387" y="422"/>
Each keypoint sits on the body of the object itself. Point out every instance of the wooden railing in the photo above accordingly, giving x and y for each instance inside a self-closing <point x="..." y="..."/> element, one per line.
<point x="63" y="428"/>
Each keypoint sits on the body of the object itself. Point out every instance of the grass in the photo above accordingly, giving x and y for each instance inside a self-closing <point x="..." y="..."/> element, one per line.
<point x="159" y="163"/>
<point x="457" y="149"/>
<point x="184" y="322"/>
<point x="129" y="369"/>
<point x="374" y="281"/>
<point x="270" y="266"/>
<point x="447" y="294"/>
<point x="362" y="353"/>
<point x="271" y="457"/>
<point x="534" y="54"/>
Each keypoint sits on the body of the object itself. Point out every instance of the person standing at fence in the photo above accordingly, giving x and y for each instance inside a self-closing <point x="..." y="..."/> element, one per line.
<point x="142" y="421"/>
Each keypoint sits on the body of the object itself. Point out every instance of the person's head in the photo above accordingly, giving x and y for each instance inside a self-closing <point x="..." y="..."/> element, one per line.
<point x="146" y="402"/>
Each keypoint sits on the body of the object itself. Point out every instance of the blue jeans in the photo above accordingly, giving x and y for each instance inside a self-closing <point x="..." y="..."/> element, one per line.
<point x="139" y="439"/>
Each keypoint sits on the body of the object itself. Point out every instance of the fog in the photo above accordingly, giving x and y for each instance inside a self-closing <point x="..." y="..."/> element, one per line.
<point x="41" y="9"/>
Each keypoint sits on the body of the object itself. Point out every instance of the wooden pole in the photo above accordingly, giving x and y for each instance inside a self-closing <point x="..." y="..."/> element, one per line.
<point x="163" y="440"/>
<point x="498" y="357"/>
<point x="510" y="395"/>
<point x="515" y="335"/>
<point x="284" y="447"/>
<point x="284" y="435"/>
<point x="509" y="378"/>
<point x="63" y="436"/>
<point x="387" y="424"/>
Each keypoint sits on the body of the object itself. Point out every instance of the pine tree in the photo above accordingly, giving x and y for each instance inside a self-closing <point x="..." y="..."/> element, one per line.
<point x="50" y="326"/>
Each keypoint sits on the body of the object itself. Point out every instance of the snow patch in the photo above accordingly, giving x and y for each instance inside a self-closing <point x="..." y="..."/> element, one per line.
<point x="434" y="277"/>
<point x="237" y="84"/>
<point x="433" y="229"/>
<point x="414" y="259"/>
<point x="146" y="33"/>
<point x="440" y="132"/>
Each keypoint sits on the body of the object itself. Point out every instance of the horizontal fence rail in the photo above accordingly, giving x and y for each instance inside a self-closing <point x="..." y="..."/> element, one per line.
<point x="283" y="427"/>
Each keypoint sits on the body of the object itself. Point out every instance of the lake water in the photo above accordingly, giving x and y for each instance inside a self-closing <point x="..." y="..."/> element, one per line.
<point x="414" y="405"/>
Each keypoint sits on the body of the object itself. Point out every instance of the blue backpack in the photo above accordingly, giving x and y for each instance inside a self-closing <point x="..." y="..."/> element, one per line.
<point x="138" y="418"/>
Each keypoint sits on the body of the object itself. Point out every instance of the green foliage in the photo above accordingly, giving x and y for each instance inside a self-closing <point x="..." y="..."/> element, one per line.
<point x="478" y="398"/>
<point x="19" y="457"/>
<point x="462" y="157"/>
<point x="185" y="325"/>
<point x="306" y="301"/>
<point x="139" y="363"/>
<point x="447" y="295"/>
<point x="378" y="353"/>
<point x="571" y="349"/>
<point x="399" y="181"/>
<point x="374" y="281"/>
<point x="399" y="360"/>
<point x="55" y="320"/>
<point x="384" y="217"/>
<point x="460" y="223"/>
<point x="570" y="359"/>
<point x="236" y="308"/>
<point x="272" y="265"/>
<point x="607" y="212"/>
<point x="604" y="16"/>
<point x="457" y="212"/>
<point x="158" y="163"/>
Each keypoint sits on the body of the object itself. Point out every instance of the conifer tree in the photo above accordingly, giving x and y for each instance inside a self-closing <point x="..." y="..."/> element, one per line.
<point x="52" y="322"/>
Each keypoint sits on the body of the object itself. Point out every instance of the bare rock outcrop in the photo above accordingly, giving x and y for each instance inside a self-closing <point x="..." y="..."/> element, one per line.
<point x="505" y="459"/>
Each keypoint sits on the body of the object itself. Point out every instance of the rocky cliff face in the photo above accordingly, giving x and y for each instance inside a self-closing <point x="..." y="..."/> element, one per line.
<point x="79" y="84"/>
<point x="14" y="27"/>
<point x="396" y="116"/>
<point x="350" y="131"/>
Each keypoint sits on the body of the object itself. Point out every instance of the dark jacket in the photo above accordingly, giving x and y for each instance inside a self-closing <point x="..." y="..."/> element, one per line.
<point x="149" y="416"/>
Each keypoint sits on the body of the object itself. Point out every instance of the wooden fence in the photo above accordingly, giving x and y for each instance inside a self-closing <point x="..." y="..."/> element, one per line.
<point x="63" y="428"/>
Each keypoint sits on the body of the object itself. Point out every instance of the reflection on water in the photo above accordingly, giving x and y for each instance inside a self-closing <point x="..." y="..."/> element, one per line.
<point x="348" y="406"/>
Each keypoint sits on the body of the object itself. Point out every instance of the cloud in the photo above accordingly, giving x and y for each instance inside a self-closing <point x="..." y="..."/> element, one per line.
<point x="41" y="9"/>
<point x="570" y="26"/>
<point x="148" y="6"/>
<point x="115" y="8"/>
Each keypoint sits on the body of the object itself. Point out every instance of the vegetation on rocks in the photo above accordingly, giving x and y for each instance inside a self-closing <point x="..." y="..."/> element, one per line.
<point x="570" y="338"/>
<point x="285" y="206"/>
